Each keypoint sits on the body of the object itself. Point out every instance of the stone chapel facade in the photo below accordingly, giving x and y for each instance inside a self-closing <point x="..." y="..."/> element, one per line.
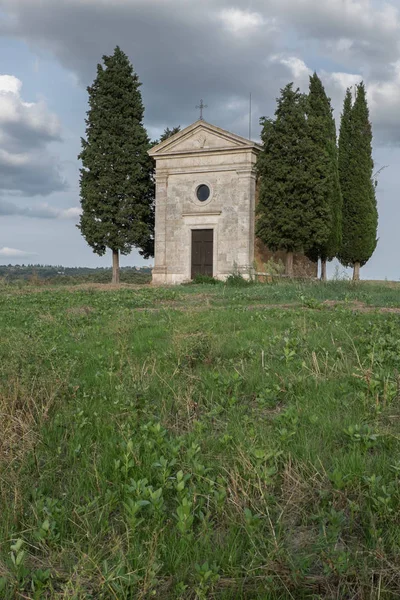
<point x="205" y="207"/>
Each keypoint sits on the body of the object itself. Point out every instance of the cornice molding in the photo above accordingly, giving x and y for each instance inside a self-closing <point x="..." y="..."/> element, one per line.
<point x="206" y="213"/>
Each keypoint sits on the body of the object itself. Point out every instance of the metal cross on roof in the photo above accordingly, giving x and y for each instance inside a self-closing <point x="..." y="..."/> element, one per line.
<point x="201" y="106"/>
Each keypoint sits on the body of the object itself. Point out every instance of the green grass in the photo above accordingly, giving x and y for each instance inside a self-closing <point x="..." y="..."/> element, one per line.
<point x="200" y="442"/>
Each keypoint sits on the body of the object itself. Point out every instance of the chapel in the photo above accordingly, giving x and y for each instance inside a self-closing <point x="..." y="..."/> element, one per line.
<point x="206" y="195"/>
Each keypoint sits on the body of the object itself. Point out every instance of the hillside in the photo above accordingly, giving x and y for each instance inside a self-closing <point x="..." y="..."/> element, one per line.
<point x="50" y="274"/>
<point x="200" y="442"/>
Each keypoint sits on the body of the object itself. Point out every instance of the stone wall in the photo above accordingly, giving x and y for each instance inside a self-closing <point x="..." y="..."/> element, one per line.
<point x="302" y="266"/>
<point x="227" y="167"/>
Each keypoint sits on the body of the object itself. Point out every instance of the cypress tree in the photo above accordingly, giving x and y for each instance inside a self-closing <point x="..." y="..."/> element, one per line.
<point x="169" y="133"/>
<point x="322" y="131"/>
<point x="344" y="159"/>
<point x="292" y="214"/>
<point x="360" y="215"/>
<point x="116" y="183"/>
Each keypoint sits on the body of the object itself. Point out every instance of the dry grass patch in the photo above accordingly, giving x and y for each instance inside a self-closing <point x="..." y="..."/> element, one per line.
<point x="80" y="311"/>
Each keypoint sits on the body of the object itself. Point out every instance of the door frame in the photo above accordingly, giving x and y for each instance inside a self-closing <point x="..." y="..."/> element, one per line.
<point x="189" y="229"/>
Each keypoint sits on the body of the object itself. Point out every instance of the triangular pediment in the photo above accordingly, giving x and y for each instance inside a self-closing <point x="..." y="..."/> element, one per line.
<point x="201" y="137"/>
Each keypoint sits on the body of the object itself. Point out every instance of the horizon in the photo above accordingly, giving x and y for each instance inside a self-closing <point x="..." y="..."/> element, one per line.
<point x="69" y="267"/>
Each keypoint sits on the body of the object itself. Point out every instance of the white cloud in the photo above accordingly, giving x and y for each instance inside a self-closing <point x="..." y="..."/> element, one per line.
<point x="383" y="96"/>
<point x="341" y="80"/>
<point x="71" y="213"/>
<point x="10" y="84"/>
<point x="14" y="253"/>
<point x="32" y="116"/>
<point x="45" y="211"/>
<point x="301" y="73"/>
<point x="240" y="21"/>
<point x="26" y="129"/>
<point x="297" y="67"/>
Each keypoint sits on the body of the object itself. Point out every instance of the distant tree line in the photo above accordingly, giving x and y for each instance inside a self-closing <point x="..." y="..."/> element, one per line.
<point x="317" y="197"/>
<point x="70" y="275"/>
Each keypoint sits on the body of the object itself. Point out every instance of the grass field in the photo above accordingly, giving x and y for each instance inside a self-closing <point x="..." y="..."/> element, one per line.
<point x="200" y="442"/>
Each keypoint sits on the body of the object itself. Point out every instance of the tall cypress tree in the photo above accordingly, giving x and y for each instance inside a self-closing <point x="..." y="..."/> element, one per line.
<point x="360" y="215"/>
<point x="291" y="213"/>
<point x="116" y="183"/>
<point x="322" y="131"/>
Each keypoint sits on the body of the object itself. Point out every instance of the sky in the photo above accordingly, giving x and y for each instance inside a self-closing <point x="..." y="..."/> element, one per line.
<point x="183" y="50"/>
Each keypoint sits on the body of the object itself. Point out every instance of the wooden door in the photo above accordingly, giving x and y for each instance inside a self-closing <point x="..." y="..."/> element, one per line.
<point x="202" y="252"/>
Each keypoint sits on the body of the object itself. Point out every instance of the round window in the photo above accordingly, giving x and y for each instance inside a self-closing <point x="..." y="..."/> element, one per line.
<point x="203" y="192"/>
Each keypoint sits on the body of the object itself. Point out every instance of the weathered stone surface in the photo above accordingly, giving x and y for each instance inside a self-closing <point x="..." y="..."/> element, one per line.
<point x="204" y="154"/>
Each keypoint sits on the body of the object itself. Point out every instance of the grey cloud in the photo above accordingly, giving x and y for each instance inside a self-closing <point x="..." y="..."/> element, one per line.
<point x="372" y="30"/>
<point x="40" y="211"/>
<point x="31" y="174"/>
<point x="184" y="51"/>
<point x="21" y="136"/>
<point x="181" y="54"/>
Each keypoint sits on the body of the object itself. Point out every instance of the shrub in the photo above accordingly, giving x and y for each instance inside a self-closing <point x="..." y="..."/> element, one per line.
<point x="237" y="280"/>
<point x="202" y="279"/>
<point x="274" y="268"/>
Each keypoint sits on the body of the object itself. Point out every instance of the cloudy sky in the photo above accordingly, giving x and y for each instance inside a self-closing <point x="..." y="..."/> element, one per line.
<point x="183" y="50"/>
